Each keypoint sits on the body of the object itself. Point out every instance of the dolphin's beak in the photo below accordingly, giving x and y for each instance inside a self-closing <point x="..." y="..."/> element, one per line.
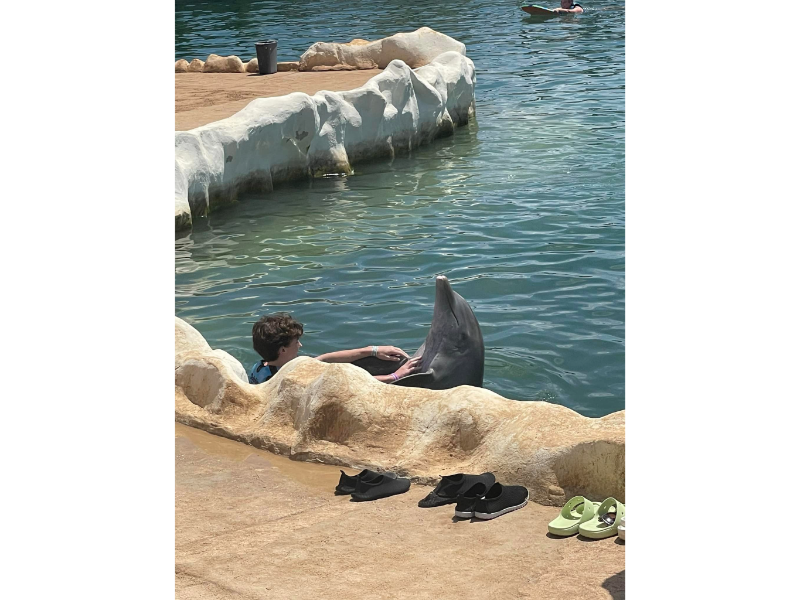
<point x="444" y="296"/>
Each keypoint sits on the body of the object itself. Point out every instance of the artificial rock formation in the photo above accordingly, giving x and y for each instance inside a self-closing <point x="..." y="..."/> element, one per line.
<point x="416" y="49"/>
<point x="336" y="68"/>
<point x="228" y="64"/>
<point x="189" y="340"/>
<point x="338" y="414"/>
<point x="297" y="135"/>
<point x="223" y="64"/>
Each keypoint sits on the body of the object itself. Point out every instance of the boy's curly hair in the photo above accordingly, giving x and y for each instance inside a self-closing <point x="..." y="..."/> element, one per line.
<point x="271" y="332"/>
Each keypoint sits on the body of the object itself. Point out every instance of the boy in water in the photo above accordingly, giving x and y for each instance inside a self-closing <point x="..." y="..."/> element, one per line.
<point x="276" y="338"/>
<point x="567" y="6"/>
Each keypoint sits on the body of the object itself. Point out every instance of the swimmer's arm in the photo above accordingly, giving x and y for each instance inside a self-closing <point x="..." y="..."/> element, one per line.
<point x="385" y="378"/>
<point x="412" y="366"/>
<point x="346" y="356"/>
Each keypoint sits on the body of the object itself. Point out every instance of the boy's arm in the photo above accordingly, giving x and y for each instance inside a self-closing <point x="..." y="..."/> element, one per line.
<point x="412" y="366"/>
<point x="347" y="356"/>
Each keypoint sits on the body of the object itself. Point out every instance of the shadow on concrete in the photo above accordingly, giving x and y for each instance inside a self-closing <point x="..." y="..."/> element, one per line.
<point x="615" y="585"/>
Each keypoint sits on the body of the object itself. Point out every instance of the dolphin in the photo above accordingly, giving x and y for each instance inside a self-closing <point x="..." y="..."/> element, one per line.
<point x="453" y="352"/>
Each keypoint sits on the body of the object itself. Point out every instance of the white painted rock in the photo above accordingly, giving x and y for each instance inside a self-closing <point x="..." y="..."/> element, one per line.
<point x="252" y="66"/>
<point x="223" y="64"/>
<point x="196" y="66"/>
<point x="181" y="66"/>
<point x="416" y="49"/>
<point x="339" y="414"/>
<point x="297" y="135"/>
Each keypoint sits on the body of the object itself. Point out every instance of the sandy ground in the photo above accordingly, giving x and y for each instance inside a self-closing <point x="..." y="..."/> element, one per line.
<point x="201" y="98"/>
<point x="251" y="524"/>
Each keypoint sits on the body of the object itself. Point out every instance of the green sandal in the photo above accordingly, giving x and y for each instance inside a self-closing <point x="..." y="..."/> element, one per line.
<point x="607" y="520"/>
<point x="578" y="510"/>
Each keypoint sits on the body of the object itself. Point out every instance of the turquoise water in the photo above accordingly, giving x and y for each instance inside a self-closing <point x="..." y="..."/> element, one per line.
<point x="523" y="209"/>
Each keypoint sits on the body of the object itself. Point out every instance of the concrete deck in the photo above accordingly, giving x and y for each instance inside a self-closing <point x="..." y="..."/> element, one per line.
<point x="251" y="524"/>
<point x="201" y="98"/>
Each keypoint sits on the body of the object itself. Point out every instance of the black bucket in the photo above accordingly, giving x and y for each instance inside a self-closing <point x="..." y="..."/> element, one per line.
<point x="267" y="55"/>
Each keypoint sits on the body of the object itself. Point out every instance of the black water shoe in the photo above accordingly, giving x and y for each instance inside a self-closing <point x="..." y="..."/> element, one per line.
<point x="465" y="505"/>
<point x="451" y="486"/>
<point x="347" y="484"/>
<point x="501" y="499"/>
<point x="380" y="487"/>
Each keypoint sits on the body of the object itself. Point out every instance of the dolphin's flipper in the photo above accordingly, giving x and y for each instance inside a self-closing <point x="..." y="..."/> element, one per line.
<point x="417" y="379"/>
<point x="377" y="366"/>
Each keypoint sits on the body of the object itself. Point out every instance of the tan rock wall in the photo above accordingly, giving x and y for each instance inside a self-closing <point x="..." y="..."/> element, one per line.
<point x="338" y="414"/>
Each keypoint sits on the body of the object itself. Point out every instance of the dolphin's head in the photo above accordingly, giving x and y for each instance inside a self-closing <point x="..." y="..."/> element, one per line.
<point x="452" y="354"/>
<point x="455" y="333"/>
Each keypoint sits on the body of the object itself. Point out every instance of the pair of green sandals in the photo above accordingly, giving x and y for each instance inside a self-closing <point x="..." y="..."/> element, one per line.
<point x="596" y="520"/>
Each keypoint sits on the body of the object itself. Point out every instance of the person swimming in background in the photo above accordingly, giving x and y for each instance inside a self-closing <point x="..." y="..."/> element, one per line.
<point x="276" y="338"/>
<point x="567" y="6"/>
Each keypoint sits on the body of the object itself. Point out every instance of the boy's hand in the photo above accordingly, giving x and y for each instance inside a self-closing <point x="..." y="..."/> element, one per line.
<point x="391" y="353"/>
<point x="412" y="366"/>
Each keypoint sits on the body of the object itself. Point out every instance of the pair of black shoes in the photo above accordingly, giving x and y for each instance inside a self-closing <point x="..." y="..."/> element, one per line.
<point x="371" y="485"/>
<point x="452" y="486"/>
<point x="489" y="503"/>
<point x="478" y="496"/>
